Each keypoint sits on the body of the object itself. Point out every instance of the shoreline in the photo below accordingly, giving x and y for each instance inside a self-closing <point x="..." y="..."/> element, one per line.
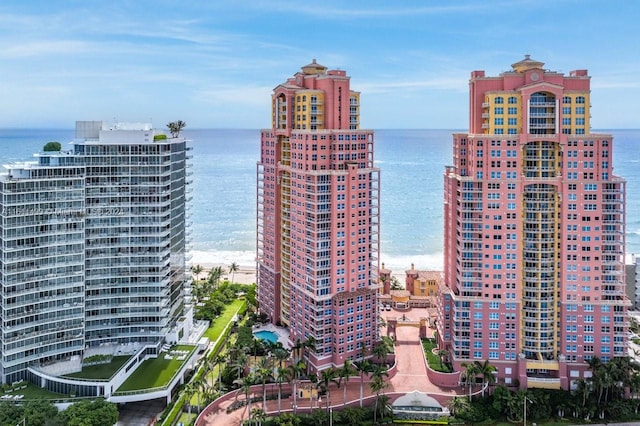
<point x="246" y="273"/>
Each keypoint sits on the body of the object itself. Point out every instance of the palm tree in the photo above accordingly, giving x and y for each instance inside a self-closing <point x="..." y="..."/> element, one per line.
<point x="377" y="384"/>
<point x="189" y="391"/>
<point x="245" y="386"/>
<point x="468" y="376"/>
<point x="326" y="378"/>
<point x="313" y="381"/>
<point x="256" y="347"/>
<point x="175" y="127"/>
<point x="288" y="419"/>
<point x="583" y="392"/>
<point x="363" y="350"/>
<point x="457" y="405"/>
<point x="296" y="370"/>
<point x="264" y="370"/>
<point x="486" y="370"/>
<point x="233" y="268"/>
<point x="297" y="350"/>
<point x="353" y="416"/>
<point x="442" y="353"/>
<point x="319" y="417"/>
<point x="197" y="270"/>
<point x="383" y="280"/>
<point x="281" y="354"/>
<point x="384" y="404"/>
<point x="395" y="284"/>
<point x="346" y="372"/>
<point x="258" y="415"/>
<point x="309" y="346"/>
<point x="283" y="374"/>
<point x="219" y="360"/>
<point x="363" y="367"/>
<point x="238" y="365"/>
<point x="380" y="350"/>
<point x="201" y="390"/>
<point x="214" y="278"/>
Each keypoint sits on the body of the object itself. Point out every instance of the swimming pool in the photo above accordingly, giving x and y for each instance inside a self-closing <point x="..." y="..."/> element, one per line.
<point x="266" y="335"/>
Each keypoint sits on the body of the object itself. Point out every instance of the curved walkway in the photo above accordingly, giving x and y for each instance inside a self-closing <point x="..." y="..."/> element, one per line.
<point x="411" y="375"/>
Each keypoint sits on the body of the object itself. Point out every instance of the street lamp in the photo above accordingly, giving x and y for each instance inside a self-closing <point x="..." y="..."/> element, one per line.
<point x="525" y="408"/>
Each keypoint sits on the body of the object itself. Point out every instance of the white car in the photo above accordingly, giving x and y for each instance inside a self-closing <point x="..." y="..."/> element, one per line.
<point x="387" y="308"/>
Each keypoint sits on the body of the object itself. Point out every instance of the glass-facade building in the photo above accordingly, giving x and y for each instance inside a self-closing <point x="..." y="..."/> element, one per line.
<point x="93" y="245"/>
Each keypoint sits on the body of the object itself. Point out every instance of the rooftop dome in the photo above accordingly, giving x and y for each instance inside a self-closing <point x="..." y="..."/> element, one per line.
<point x="527" y="64"/>
<point x="314" y="68"/>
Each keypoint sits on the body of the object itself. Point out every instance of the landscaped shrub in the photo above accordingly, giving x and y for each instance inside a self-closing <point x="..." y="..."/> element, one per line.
<point x="52" y="146"/>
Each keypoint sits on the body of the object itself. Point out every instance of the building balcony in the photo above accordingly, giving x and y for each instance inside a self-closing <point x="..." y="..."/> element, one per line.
<point x="543" y="383"/>
<point x="534" y="126"/>
<point x="542" y="114"/>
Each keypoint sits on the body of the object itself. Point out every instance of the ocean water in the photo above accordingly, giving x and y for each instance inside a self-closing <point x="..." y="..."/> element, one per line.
<point x="412" y="165"/>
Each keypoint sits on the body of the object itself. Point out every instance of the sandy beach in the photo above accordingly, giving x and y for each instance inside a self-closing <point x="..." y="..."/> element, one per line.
<point x="246" y="273"/>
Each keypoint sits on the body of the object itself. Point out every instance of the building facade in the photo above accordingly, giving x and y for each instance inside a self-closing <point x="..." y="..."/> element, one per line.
<point x="318" y="216"/>
<point x="93" y="246"/>
<point x="534" y="232"/>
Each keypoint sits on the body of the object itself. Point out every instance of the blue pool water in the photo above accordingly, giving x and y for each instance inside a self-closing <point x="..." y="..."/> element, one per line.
<point x="266" y="335"/>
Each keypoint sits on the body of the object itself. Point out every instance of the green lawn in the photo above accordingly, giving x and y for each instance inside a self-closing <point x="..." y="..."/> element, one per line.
<point x="101" y="371"/>
<point x="155" y="372"/>
<point x="221" y="322"/>
<point x="187" y="419"/>
<point x="34" y="392"/>
<point x="434" y="360"/>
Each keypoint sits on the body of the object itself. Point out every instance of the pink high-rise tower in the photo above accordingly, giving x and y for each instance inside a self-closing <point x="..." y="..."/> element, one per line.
<point x="318" y="217"/>
<point x="534" y="232"/>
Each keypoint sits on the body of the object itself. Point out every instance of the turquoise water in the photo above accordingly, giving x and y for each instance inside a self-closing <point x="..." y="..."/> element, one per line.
<point x="266" y="335"/>
<point x="223" y="210"/>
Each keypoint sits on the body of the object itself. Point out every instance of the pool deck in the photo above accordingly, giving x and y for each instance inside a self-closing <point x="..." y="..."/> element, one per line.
<point x="282" y="333"/>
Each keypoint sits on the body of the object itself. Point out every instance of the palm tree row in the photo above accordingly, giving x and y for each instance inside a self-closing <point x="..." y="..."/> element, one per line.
<point x="271" y="368"/>
<point x="607" y="384"/>
<point x="473" y="370"/>
<point x="612" y="392"/>
<point x="213" y="278"/>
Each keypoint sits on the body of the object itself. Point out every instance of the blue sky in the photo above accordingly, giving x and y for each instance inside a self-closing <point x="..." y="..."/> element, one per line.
<point x="214" y="63"/>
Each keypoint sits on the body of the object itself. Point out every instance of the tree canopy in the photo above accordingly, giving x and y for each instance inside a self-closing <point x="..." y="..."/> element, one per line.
<point x="52" y="146"/>
<point x="87" y="413"/>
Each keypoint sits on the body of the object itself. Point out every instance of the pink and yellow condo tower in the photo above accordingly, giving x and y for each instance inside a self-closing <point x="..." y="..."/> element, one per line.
<point x="534" y="232"/>
<point x="318" y="217"/>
